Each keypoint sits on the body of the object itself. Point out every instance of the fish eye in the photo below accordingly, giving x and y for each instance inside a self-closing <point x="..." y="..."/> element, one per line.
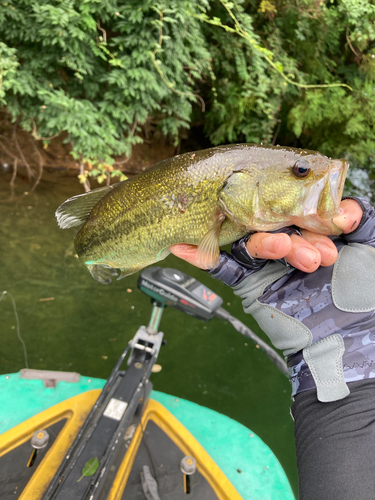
<point x="301" y="168"/>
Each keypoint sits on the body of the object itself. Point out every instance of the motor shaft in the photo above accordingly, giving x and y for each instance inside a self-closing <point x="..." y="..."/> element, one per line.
<point x="156" y="314"/>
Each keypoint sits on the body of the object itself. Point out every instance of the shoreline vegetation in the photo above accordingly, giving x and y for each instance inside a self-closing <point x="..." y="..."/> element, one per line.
<point x="112" y="88"/>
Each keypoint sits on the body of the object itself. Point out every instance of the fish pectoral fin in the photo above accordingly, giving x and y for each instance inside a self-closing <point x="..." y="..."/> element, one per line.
<point x="74" y="212"/>
<point x="237" y="197"/>
<point x="208" y="248"/>
<point x="102" y="273"/>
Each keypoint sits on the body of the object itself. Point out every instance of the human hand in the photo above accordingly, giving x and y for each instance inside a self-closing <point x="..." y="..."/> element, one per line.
<point x="306" y="253"/>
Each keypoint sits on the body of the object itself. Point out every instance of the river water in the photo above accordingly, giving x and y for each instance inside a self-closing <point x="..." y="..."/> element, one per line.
<point x="70" y="322"/>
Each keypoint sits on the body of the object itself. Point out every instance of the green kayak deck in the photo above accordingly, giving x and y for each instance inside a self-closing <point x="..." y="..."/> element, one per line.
<point x="243" y="457"/>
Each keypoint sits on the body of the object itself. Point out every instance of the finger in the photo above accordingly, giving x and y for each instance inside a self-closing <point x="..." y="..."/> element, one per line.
<point x="303" y="255"/>
<point x="269" y="246"/>
<point x="327" y="249"/>
<point x="350" y="216"/>
<point x="185" y="252"/>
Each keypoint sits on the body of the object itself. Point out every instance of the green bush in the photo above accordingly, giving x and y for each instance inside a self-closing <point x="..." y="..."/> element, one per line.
<point x="314" y="43"/>
<point x="90" y="69"/>
<point x="99" y="70"/>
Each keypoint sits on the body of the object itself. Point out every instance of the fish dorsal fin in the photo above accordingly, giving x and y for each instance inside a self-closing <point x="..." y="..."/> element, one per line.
<point x="208" y="248"/>
<point x="74" y="212"/>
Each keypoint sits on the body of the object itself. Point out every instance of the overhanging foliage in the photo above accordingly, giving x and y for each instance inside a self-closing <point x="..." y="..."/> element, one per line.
<point x="99" y="70"/>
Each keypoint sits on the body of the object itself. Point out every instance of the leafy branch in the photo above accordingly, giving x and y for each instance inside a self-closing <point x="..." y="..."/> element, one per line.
<point x="157" y="64"/>
<point x="264" y="52"/>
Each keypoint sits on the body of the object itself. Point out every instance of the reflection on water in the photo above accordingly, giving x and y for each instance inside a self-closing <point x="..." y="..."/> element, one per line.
<point x="71" y="322"/>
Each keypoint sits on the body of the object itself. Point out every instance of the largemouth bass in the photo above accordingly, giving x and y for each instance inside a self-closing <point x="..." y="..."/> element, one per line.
<point x="208" y="198"/>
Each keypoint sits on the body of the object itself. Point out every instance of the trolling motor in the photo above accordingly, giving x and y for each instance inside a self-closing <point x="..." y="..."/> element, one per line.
<point x="171" y="287"/>
<point x="121" y="402"/>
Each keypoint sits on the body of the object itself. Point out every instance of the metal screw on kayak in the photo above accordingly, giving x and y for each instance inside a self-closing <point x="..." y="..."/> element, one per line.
<point x="38" y="442"/>
<point x="188" y="465"/>
<point x="40" y="439"/>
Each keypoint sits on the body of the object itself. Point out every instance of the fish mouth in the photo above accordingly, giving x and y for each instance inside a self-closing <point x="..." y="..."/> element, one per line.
<point x="323" y="201"/>
<point x="337" y="181"/>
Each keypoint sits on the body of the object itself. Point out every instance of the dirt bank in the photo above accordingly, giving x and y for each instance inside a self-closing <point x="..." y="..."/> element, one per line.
<point x="28" y="160"/>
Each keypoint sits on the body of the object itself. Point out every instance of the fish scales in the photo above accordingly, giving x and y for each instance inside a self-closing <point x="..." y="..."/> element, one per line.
<point x="208" y="198"/>
<point x="181" y="213"/>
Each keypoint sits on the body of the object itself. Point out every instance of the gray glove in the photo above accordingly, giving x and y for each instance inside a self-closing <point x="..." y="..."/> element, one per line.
<point x="323" y="321"/>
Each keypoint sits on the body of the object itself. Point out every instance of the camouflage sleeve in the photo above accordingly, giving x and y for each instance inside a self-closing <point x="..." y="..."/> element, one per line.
<point x="365" y="232"/>
<point x="229" y="271"/>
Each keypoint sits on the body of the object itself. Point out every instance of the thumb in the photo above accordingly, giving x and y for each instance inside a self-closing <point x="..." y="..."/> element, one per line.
<point x="185" y="252"/>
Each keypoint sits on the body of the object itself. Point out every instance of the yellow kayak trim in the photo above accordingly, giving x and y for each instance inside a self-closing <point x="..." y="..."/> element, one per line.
<point x="187" y="443"/>
<point x="75" y="410"/>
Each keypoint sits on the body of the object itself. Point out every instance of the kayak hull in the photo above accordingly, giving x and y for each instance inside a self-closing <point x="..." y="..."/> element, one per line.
<point x="232" y="462"/>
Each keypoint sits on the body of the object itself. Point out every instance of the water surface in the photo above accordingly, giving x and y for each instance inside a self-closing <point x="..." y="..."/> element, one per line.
<point x="83" y="326"/>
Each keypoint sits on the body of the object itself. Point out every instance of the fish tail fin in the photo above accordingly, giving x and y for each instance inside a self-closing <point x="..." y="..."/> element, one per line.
<point x="75" y="211"/>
